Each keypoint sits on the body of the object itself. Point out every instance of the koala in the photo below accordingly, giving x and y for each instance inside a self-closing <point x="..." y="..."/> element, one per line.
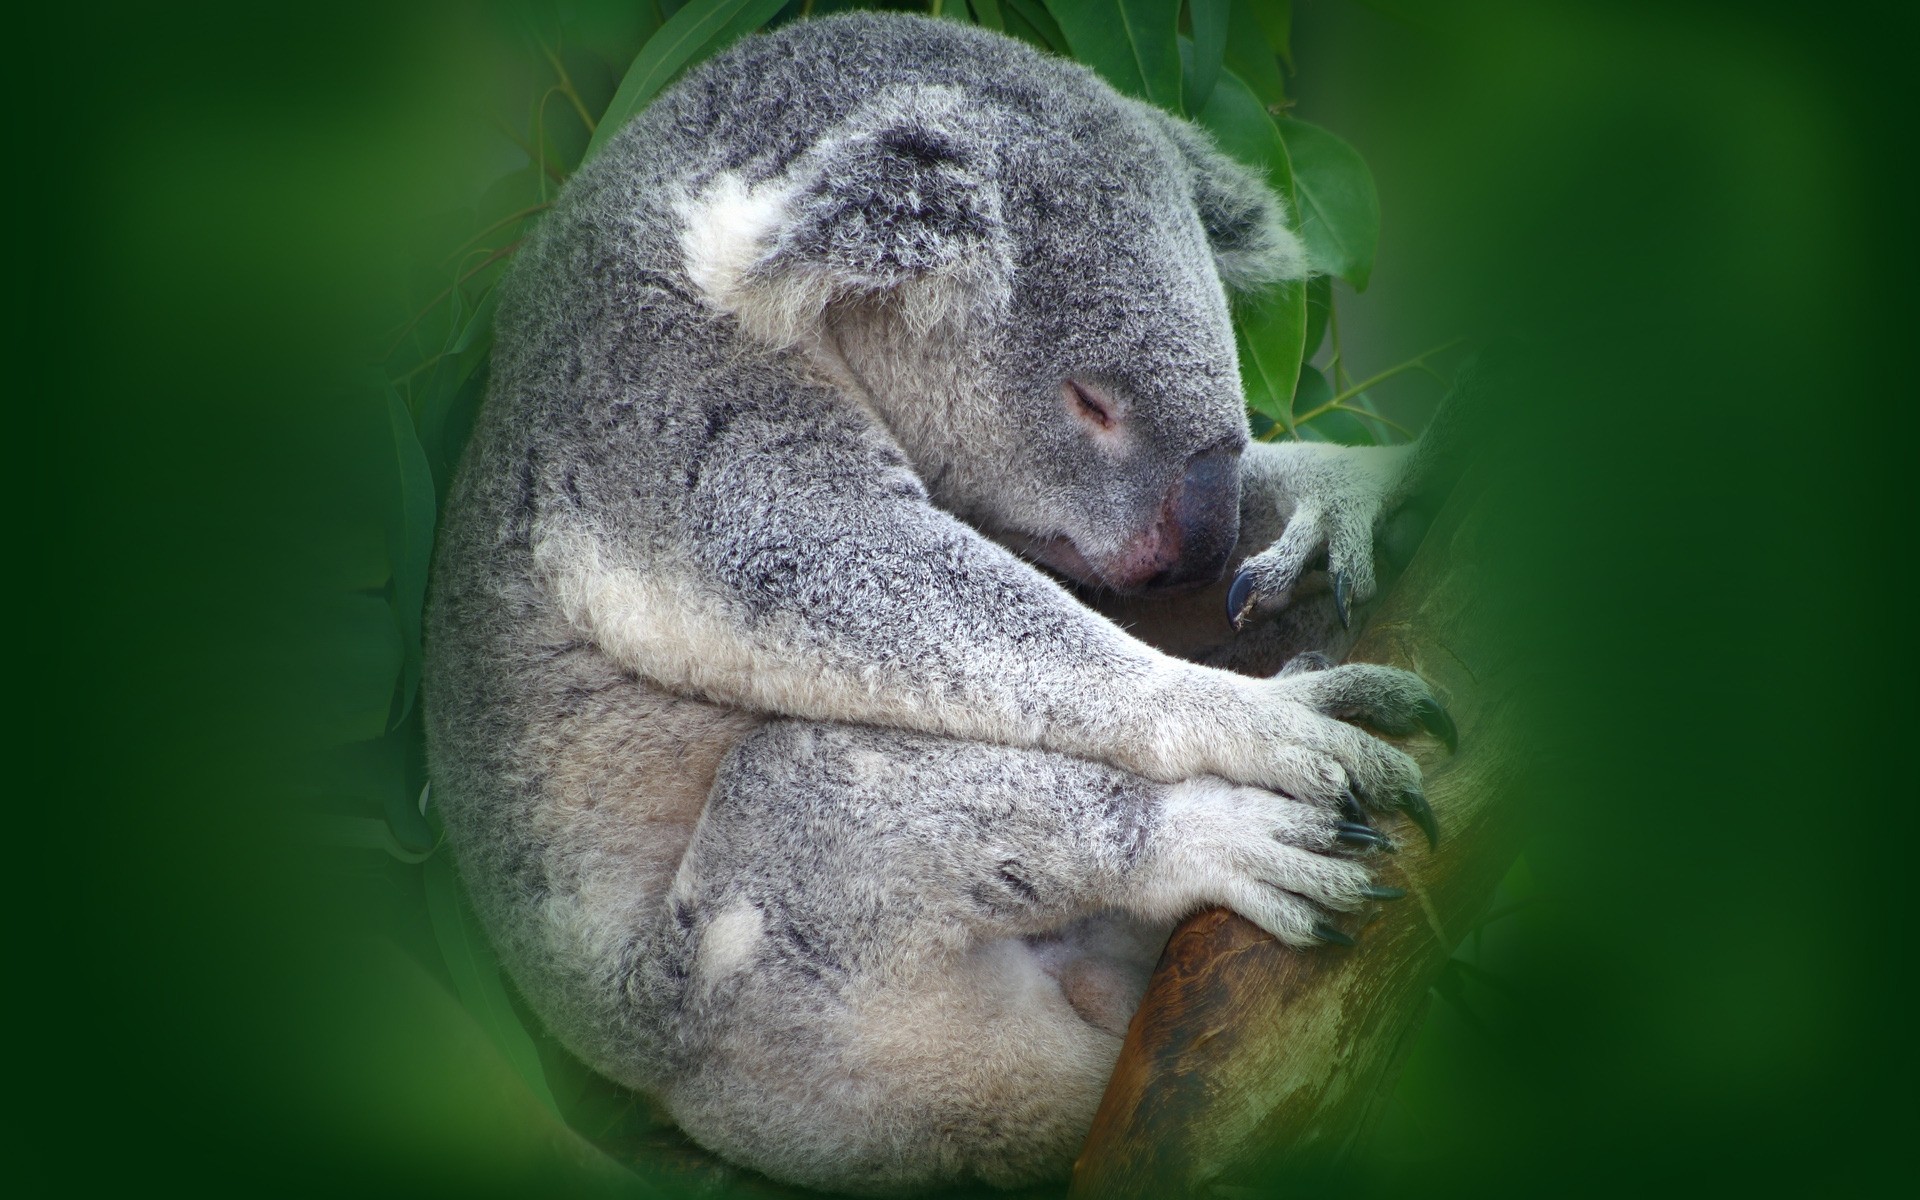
<point x="791" y="703"/>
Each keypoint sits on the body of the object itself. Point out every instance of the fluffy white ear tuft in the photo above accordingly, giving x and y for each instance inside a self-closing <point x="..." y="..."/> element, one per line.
<point x="899" y="204"/>
<point x="1246" y="223"/>
<point x="726" y="230"/>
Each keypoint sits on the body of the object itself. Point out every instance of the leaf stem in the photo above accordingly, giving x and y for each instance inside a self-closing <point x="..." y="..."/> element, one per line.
<point x="534" y="157"/>
<point x="502" y="223"/>
<point x="1389" y="422"/>
<point x="567" y="89"/>
<point x="492" y="257"/>
<point x="1337" y="363"/>
<point x="1416" y="363"/>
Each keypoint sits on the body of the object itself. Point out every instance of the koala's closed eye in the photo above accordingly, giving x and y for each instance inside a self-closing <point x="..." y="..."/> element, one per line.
<point x="1086" y="403"/>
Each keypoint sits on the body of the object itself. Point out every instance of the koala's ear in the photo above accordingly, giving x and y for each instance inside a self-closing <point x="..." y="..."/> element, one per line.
<point x="1246" y="222"/>
<point x="900" y="203"/>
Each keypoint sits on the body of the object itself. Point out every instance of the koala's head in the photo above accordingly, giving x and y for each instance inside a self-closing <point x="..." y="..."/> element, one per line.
<point x="1033" y="298"/>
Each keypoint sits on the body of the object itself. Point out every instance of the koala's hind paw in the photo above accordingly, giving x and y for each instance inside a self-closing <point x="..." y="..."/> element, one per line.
<point x="1276" y="861"/>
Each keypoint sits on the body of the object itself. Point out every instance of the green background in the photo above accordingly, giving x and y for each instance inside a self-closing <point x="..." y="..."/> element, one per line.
<point x="1694" y="215"/>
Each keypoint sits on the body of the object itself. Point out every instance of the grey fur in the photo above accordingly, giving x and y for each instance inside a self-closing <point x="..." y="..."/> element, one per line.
<point x="790" y="793"/>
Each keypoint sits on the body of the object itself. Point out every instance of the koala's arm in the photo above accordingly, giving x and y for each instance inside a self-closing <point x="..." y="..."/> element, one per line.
<point x="1299" y="498"/>
<point x="817" y="580"/>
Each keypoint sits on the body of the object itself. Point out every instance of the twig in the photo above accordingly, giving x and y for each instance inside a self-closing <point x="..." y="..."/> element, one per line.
<point x="567" y="89"/>
<point x="1389" y="422"/>
<point x="534" y="157"/>
<point x="1417" y="362"/>
<point x="502" y="223"/>
<point x="491" y="258"/>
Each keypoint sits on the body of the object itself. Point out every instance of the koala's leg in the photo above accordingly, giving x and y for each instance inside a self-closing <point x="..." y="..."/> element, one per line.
<point x="886" y="930"/>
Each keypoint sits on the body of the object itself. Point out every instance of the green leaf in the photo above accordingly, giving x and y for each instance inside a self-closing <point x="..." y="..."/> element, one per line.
<point x="1339" y="211"/>
<point x="1319" y="309"/>
<point x="1275" y="19"/>
<point x="410" y="520"/>
<point x="364" y="833"/>
<point x="1209" y="50"/>
<point x="1241" y="127"/>
<point x="1271" y="330"/>
<point x="1030" y="21"/>
<point x="1132" y="43"/>
<point x="1249" y="55"/>
<point x="696" y="32"/>
<point x="1335" y="426"/>
<point x="987" y="12"/>
<point x="476" y="975"/>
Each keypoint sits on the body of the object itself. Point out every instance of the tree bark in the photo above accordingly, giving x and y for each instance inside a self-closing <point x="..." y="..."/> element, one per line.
<point x="1245" y="1052"/>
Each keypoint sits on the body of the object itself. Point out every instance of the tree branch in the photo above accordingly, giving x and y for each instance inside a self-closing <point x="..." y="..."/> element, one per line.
<point x="1246" y="1055"/>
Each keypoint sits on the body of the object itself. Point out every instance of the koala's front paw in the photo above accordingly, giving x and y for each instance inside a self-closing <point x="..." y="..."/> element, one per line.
<point x="1280" y="863"/>
<point x="1340" y="496"/>
<point x="1320" y="756"/>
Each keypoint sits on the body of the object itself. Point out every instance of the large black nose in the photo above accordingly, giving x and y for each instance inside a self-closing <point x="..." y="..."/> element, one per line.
<point x="1202" y="517"/>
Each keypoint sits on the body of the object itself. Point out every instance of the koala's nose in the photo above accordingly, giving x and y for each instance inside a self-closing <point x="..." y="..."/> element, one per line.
<point x="1200" y="523"/>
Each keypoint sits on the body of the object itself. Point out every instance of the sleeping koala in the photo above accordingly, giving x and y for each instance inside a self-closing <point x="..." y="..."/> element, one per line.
<point x="797" y="781"/>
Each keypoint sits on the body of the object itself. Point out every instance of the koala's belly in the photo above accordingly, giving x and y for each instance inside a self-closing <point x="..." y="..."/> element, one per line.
<point x="627" y="768"/>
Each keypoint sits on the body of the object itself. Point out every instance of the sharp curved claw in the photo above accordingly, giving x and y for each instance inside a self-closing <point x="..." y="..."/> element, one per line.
<point x="1436" y="721"/>
<point x="1376" y="891"/>
<point x="1416" y="807"/>
<point x="1240" y="598"/>
<point x="1328" y="933"/>
<point x="1354" y="833"/>
<point x="1350" y="807"/>
<point x="1343" y="598"/>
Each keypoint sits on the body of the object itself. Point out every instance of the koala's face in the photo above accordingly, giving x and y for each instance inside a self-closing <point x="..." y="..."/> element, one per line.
<point x="1035" y="303"/>
<point x="1115" y="455"/>
<point x="1091" y="416"/>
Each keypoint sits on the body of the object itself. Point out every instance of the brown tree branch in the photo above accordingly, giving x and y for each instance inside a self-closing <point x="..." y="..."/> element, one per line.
<point x="1244" y="1054"/>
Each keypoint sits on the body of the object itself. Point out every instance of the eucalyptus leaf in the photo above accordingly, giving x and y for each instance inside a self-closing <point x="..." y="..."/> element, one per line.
<point x="1242" y="128"/>
<point x="1345" y="428"/>
<point x="1335" y="426"/>
<point x="476" y="975"/>
<point x="1209" y="49"/>
<point x="1132" y="43"/>
<point x="1339" y="210"/>
<point x="696" y="32"/>
<point x="1270" y="329"/>
<point x="363" y="833"/>
<point x="1265" y="402"/>
<point x="1030" y="21"/>
<point x="1249" y="55"/>
<point x="1275" y="18"/>
<point x="1319" y="312"/>
<point x="987" y="12"/>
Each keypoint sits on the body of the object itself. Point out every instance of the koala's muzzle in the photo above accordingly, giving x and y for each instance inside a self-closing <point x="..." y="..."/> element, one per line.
<point x="1194" y="535"/>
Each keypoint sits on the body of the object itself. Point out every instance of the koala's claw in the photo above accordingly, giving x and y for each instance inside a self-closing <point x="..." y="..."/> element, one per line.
<point x="1350" y="806"/>
<point x="1328" y="933"/>
<point x="1343" y="598"/>
<point x="1357" y="833"/>
<point x="1241" y="600"/>
<point x="1415" y="805"/>
<point x="1380" y="891"/>
<point x="1436" y="721"/>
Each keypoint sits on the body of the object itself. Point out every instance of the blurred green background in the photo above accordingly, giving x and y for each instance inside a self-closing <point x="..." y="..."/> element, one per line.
<point x="1692" y="215"/>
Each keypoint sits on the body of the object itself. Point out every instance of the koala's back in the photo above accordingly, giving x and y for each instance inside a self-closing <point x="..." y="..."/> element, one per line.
<point x="571" y="787"/>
